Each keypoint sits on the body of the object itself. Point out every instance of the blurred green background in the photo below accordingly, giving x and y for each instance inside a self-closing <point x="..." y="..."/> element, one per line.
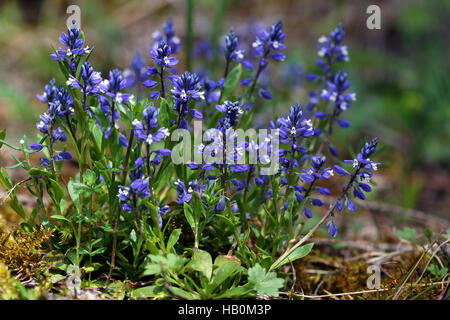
<point x="400" y="73"/>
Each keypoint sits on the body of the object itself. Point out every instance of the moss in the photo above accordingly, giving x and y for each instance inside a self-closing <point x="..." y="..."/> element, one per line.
<point x="9" y="289"/>
<point x="21" y="252"/>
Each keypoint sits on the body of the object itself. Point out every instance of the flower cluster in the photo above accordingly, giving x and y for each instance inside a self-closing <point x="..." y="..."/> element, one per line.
<point x="331" y="50"/>
<point x="111" y="88"/>
<point x="266" y="45"/>
<point x="335" y="93"/>
<point x="168" y="36"/>
<point x="268" y="41"/>
<point x="291" y="128"/>
<point x="212" y="89"/>
<point x="311" y="175"/>
<point x="185" y="192"/>
<point x="232" y="111"/>
<point x="144" y="131"/>
<point x="362" y="175"/>
<point x="161" y="55"/>
<point x="60" y="104"/>
<point x="139" y="189"/>
<point x="74" y="43"/>
<point x="185" y="88"/>
<point x="91" y="80"/>
<point x="230" y="51"/>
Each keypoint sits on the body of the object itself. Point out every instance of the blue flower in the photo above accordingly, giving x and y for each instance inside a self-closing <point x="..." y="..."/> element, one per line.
<point x="111" y="88"/>
<point x="49" y="92"/>
<point x="91" y="80"/>
<point x="294" y="126"/>
<point x="362" y="174"/>
<point x="162" y="210"/>
<point x="74" y="44"/>
<point x="268" y="41"/>
<point x="211" y="89"/>
<point x="185" y="192"/>
<point x="335" y="93"/>
<point x="168" y="36"/>
<point x="221" y="204"/>
<point x="230" y="50"/>
<point x="332" y="230"/>
<point x="186" y="87"/>
<point x="331" y="49"/>
<point x="161" y="55"/>
<point x="143" y="130"/>
<point x="232" y="110"/>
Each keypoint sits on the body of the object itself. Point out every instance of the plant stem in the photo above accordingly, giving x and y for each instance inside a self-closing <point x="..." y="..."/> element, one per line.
<point x="161" y="76"/>
<point x="189" y="32"/>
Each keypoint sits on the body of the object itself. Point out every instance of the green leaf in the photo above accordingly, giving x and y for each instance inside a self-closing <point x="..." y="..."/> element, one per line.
<point x="436" y="271"/>
<point x="164" y="113"/>
<point x="155" y="217"/>
<point x="38" y="172"/>
<point x="188" y="213"/>
<point x="58" y="191"/>
<point x="298" y="253"/>
<point x="182" y="293"/>
<point x="231" y="81"/>
<point x="3" y="142"/>
<point x="226" y="220"/>
<point x="74" y="192"/>
<point x="222" y="260"/>
<point x="407" y="233"/>
<point x="90" y="177"/>
<point x="201" y="261"/>
<point x="226" y="271"/>
<point x="59" y="217"/>
<point x="2" y="136"/>
<point x="264" y="283"/>
<point x="158" y="263"/>
<point x="173" y="239"/>
<point x="17" y="207"/>
<point x="149" y="292"/>
<point x="239" y="292"/>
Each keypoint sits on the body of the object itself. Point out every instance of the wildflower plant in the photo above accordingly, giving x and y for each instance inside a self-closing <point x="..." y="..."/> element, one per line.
<point x="132" y="212"/>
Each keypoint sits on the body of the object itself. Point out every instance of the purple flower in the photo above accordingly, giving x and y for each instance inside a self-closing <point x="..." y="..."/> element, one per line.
<point x="185" y="192"/>
<point x="332" y="230"/>
<point x="49" y="92"/>
<point x="221" y="204"/>
<point x="232" y="111"/>
<point x="74" y="44"/>
<point x="270" y="40"/>
<point x="111" y="88"/>
<point x="161" y="55"/>
<point x="91" y="80"/>
<point x="230" y="50"/>
<point x="331" y="48"/>
<point x="186" y="87"/>
<point x="168" y="36"/>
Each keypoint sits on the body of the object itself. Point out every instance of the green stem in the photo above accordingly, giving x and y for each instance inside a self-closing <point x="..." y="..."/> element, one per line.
<point x="189" y="32"/>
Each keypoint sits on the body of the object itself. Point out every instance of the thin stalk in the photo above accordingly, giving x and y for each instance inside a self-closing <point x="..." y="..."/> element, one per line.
<point x="225" y="75"/>
<point x="149" y="174"/>
<point x="189" y="32"/>
<point x="161" y="76"/>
